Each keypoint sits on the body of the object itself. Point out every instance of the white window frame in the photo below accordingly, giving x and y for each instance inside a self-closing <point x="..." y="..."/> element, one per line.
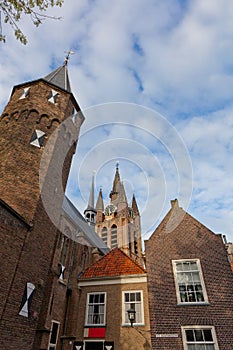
<point x="126" y="306"/>
<point x="87" y="309"/>
<point x="53" y="346"/>
<point x="185" y="343"/>
<point x="180" y="302"/>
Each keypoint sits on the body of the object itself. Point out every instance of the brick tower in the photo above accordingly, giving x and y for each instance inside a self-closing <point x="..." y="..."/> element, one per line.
<point x="118" y="224"/>
<point x="37" y="141"/>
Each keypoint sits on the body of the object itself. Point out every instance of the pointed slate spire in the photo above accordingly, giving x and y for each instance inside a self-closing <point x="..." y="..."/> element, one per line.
<point x="121" y="197"/>
<point x="100" y="203"/>
<point x="135" y="206"/>
<point x="91" y="205"/>
<point x="90" y="211"/>
<point x="113" y="193"/>
<point x="59" y="77"/>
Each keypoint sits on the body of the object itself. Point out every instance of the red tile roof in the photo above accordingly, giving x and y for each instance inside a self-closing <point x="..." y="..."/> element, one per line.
<point x="115" y="263"/>
<point x="232" y="265"/>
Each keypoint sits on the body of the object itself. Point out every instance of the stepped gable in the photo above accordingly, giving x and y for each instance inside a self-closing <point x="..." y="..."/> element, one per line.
<point x="115" y="263"/>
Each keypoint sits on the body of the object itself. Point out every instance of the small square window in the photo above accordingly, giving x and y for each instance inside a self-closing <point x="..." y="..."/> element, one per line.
<point x="199" y="338"/>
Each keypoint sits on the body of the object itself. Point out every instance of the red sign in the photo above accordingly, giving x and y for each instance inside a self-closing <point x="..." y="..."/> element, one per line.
<point x="96" y="332"/>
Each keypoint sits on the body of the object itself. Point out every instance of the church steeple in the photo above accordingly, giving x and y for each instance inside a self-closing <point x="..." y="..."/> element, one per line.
<point x="118" y="224"/>
<point x="90" y="212"/>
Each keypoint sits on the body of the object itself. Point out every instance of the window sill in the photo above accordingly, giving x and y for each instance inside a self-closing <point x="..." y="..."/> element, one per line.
<point x="95" y="326"/>
<point x="203" y="303"/>
<point x="134" y="325"/>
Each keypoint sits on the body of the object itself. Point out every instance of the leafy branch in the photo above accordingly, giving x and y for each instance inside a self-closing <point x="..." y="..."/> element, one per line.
<point x="12" y="11"/>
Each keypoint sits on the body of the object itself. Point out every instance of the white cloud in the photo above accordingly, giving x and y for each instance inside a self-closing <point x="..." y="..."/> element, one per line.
<point x="172" y="56"/>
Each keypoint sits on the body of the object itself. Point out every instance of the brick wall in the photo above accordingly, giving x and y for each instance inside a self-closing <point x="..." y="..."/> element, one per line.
<point x="188" y="239"/>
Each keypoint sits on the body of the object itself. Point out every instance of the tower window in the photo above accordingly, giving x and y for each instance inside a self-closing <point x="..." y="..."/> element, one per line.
<point x="114" y="236"/>
<point x="104" y="234"/>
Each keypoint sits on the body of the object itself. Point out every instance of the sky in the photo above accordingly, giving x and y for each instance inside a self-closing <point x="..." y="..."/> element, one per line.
<point x="154" y="80"/>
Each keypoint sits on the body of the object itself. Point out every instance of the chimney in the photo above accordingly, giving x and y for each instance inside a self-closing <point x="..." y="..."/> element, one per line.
<point x="95" y="255"/>
<point x="174" y="203"/>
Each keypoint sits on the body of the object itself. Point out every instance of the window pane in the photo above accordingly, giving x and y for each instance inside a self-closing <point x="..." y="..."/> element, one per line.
<point x="208" y="335"/>
<point x="132" y="296"/>
<point x="198" y="335"/>
<point x="196" y="276"/>
<point x="53" y="338"/>
<point x="179" y="267"/>
<point x="102" y="298"/>
<point x="138" y="296"/>
<point x="189" y="335"/>
<point x="210" y="347"/>
<point x="127" y="297"/>
<point x="200" y="347"/>
<point x="191" y="347"/>
<point x="186" y="266"/>
<point x="193" y="265"/>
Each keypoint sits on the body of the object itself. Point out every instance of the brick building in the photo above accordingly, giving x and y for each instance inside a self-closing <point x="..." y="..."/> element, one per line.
<point x="44" y="241"/>
<point x="108" y="289"/>
<point x="190" y="285"/>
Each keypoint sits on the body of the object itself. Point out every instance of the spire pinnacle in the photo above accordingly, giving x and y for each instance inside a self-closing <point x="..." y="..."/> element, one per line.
<point x="100" y="203"/>
<point x="90" y="212"/>
<point x="70" y="52"/>
<point x="117" y="179"/>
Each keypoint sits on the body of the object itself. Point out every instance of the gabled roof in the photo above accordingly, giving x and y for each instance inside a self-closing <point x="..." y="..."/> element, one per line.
<point x="59" y="77"/>
<point x="115" y="263"/>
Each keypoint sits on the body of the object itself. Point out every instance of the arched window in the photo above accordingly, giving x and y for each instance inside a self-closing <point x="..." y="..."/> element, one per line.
<point x="104" y="234"/>
<point x="114" y="236"/>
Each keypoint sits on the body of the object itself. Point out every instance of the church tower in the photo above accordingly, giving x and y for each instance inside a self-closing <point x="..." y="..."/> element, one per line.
<point x="118" y="224"/>
<point x="38" y="137"/>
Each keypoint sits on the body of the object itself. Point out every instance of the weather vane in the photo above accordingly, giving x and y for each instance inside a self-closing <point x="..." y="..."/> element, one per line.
<point x="70" y="52"/>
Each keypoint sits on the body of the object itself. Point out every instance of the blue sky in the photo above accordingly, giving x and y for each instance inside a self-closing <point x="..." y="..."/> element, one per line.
<point x="155" y="82"/>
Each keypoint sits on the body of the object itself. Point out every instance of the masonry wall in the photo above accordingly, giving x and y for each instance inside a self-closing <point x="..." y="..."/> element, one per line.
<point x="124" y="337"/>
<point x="30" y="211"/>
<point x="180" y="236"/>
